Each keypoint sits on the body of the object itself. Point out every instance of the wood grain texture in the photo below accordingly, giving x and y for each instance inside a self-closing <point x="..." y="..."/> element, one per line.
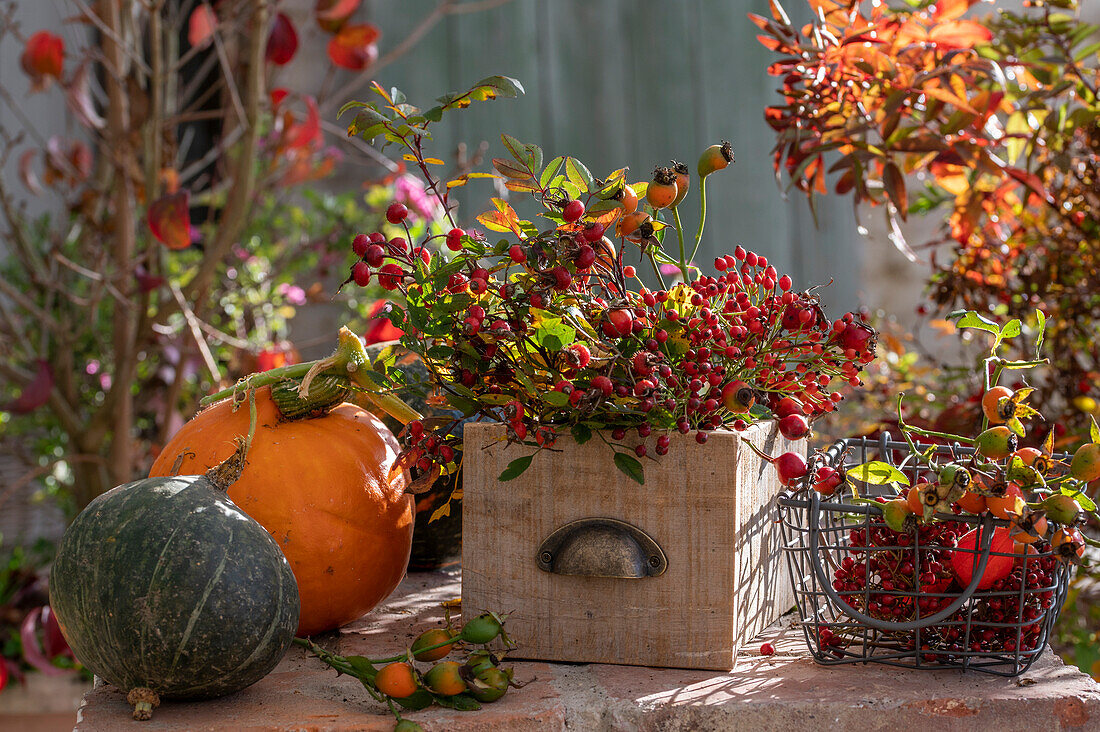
<point x="710" y="507"/>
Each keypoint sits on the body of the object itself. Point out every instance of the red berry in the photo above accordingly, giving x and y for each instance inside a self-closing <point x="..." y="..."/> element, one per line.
<point x="794" y="426"/>
<point x="593" y="232"/>
<point x="791" y="467"/>
<point x="586" y="255"/>
<point x="390" y="276"/>
<point x="603" y="384"/>
<point x="375" y="255"/>
<point x="516" y="253"/>
<point x="572" y="211"/>
<point x="360" y="272"/>
<point x="701" y="437"/>
<point x="398" y="245"/>
<point x="454" y="239"/>
<point x="562" y="278"/>
<point x="396" y="213"/>
<point x="767" y="649"/>
<point x="359" y="244"/>
<point x="639" y="450"/>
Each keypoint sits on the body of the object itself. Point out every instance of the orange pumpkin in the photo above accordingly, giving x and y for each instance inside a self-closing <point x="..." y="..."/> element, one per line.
<point x="325" y="488"/>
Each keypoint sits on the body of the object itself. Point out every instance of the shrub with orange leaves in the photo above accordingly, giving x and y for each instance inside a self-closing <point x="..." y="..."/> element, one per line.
<point x="996" y="117"/>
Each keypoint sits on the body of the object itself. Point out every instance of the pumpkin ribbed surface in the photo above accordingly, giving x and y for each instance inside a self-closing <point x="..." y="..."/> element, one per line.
<point x="163" y="583"/>
<point x="323" y="488"/>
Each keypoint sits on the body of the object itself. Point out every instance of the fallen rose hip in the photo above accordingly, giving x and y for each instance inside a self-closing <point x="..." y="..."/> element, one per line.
<point x="767" y="649"/>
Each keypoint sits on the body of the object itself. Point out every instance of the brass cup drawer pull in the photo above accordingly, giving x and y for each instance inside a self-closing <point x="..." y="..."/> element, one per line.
<point x="601" y="547"/>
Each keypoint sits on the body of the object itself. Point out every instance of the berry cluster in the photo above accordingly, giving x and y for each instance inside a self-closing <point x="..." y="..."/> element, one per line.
<point x="465" y="685"/>
<point x="904" y="576"/>
<point x="551" y="330"/>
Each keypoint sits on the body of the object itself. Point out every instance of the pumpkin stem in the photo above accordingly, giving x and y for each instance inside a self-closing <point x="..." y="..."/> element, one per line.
<point x="226" y="473"/>
<point x="144" y="700"/>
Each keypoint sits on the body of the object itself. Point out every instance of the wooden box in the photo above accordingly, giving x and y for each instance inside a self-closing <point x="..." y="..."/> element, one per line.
<point x="710" y="508"/>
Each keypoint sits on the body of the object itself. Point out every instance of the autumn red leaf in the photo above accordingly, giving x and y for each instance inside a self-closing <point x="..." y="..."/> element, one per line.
<point x="34" y="394"/>
<point x="43" y="59"/>
<point x="169" y="219"/>
<point x="354" y="47"/>
<point x="959" y="34"/>
<point x="332" y="14"/>
<point x="201" y="25"/>
<point x="282" y="43"/>
<point x="43" y="642"/>
<point x="307" y="133"/>
<point x="146" y="282"/>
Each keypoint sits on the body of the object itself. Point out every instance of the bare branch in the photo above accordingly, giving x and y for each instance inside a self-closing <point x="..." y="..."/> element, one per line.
<point x="195" y="327"/>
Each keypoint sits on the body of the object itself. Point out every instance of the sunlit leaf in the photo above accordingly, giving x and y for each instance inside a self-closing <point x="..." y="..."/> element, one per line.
<point x="877" y="472"/>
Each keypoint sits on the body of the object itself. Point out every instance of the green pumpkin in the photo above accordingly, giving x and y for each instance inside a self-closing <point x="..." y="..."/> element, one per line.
<point x="163" y="584"/>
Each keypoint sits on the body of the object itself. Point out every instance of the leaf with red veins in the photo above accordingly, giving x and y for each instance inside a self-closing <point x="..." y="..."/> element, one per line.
<point x="332" y="14"/>
<point x="201" y="25"/>
<point x="78" y="95"/>
<point x="36" y="393"/>
<point x="282" y="43"/>
<point x="43" y="59"/>
<point x="354" y="47"/>
<point x="169" y="219"/>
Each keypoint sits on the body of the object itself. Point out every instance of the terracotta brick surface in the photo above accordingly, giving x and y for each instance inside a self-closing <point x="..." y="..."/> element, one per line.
<point x="784" y="691"/>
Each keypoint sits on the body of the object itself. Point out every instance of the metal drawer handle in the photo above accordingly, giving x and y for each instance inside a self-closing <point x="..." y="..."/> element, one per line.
<point x="601" y="547"/>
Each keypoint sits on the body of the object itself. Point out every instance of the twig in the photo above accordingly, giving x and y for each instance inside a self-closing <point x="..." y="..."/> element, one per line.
<point x="196" y="332"/>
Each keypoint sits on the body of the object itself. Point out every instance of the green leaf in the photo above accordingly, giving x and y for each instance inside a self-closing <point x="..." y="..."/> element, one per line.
<point x="1083" y="501"/>
<point x="1094" y="431"/>
<point x="556" y="398"/>
<point x="581" y="434"/>
<point x="971" y="319"/>
<point x="516" y="468"/>
<point x="422" y="699"/>
<point x="1041" y="318"/>
<point x="460" y="702"/>
<point x="362" y="665"/>
<point x="629" y="465"/>
<point x="877" y="472"/>
<point x="1010" y="330"/>
<point x="553" y="334"/>
<point x="514" y="146"/>
<point x="578" y="174"/>
<point x="462" y="404"/>
<point x="551" y="171"/>
<point x="350" y="105"/>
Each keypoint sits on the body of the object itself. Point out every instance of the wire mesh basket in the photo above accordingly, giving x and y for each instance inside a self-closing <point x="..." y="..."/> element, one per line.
<point x="868" y="594"/>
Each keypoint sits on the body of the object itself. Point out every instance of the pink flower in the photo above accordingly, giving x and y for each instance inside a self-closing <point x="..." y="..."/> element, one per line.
<point x="294" y="295"/>
<point x="409" y="190"/>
